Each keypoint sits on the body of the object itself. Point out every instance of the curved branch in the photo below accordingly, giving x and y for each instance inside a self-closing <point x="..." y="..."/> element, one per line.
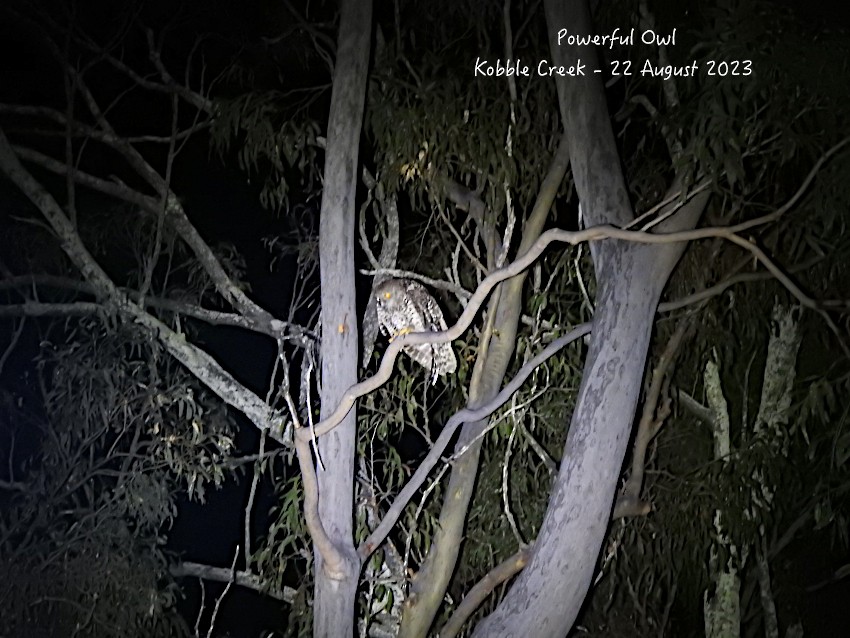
<point x="501" y="573"/>
<point x="779" y="212"/>
<point x="334" y="560"/>
<point x="596" y="233"/>
<point x="463" y="416"/>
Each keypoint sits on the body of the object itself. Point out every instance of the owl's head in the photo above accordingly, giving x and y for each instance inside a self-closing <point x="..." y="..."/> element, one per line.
<point x="385" y="292"/>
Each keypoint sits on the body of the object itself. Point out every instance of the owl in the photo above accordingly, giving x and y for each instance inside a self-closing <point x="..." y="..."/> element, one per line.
<point x="405" y="306"/>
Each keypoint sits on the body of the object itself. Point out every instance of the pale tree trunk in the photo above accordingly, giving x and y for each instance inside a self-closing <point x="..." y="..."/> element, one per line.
<point x="548" y="594"/>
<point x="432" y="580"/>
<point x="771" y="428"/>
<point x="721" y="606"/>
<point x="335" y="590"/>
<point x="722" y="610"/>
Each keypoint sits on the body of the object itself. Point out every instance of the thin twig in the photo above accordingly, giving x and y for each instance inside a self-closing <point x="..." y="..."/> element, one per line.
<point x="227" y="587"/>
<point x="463" y="416"/>
<point x="596" y="233"/>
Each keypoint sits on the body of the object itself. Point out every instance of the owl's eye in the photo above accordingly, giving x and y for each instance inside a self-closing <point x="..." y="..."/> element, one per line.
<point x="388" y="295"/>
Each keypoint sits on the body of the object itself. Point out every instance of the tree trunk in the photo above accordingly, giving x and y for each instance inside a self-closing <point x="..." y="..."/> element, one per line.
<point x="335" y="592"/>
<point x="549" y="593"/>
<point x="547" y="596"/>
<point x="429" y="586"/>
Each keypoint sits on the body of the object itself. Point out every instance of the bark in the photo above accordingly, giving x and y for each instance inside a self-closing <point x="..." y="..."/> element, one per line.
<point x="722" y="603"/>
<point x="335" y="589"/>
<point x="197" y="361"/>
<point x="548" y="594"/>
<point x="432" y="580"/>
<point x="771" y="428"/>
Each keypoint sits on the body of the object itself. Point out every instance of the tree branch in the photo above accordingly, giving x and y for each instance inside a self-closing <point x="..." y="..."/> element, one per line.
<point x="440" y="284"/>
<point x="276" y="328"/>
<point x="199" y="362"/>
<point x="463" y="416"/>
<point x="107" y="187"/>
<point x="596" y="233"/>
<point x="652" y="419"/>
<point x="246" y="579"/>
<point x="501" y="573"/>
<point x="168" y="201"/>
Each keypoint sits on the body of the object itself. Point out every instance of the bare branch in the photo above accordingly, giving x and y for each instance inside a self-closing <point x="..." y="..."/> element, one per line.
<point x="463" y="416"/>
<point x="501" y="573"/>
<point x="276" y="328"/>
<point x="13" y="486"/>
<point x="792" y="201"/>
<point x="693" y="406"/>
<point x="76" y="127"/>
<point x="440" y="284"/>
<point x="111" y="188"/>
<point x="334" y="560"/>
<point x="173" y="208"/>
<point x="652" y="419"/>
<point x="39" y="309"/>
<point x="199" y="362"/>
<point x="196" y="99"/>
<point x="175" y="213"/>
<point x="596" y="233"/>
<point x="223" y="594"/>
<point x="7" y="351"/>
<point x="466" y="200"/>
<point x="245" y="579"/>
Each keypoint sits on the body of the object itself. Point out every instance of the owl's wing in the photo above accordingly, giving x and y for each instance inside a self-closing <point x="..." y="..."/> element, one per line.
<point x="428" y="312"/>
<point x="439" y="358"/>
<point x="371" y="326"/>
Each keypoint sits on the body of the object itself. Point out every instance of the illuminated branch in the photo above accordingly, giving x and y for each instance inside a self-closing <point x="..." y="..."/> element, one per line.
<point x="196" y="360"/>
<point x="463" y="416"/>
<point x="276" y="328"/>
<point x="167" y="200"/>
<point x="596" y="233"/>
<point x="501" y="573"/>
<point x="107" y="187"/>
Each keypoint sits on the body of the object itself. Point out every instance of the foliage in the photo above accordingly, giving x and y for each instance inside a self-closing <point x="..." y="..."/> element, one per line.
<point x="285" y="555"/>
<point x="270" y="142"/>
<point x="756" y="139"/>
<point x="748" y="136"/>
<point x="524" y="446"/>
<point x="126" y="431"/>
<point x="427" y="121"/>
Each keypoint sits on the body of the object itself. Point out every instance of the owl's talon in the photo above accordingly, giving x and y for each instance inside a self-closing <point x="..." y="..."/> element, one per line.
<point x="401" y="333"/>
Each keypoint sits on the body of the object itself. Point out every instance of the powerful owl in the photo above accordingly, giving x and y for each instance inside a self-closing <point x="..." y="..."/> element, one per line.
<point x="405" y="306"/>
